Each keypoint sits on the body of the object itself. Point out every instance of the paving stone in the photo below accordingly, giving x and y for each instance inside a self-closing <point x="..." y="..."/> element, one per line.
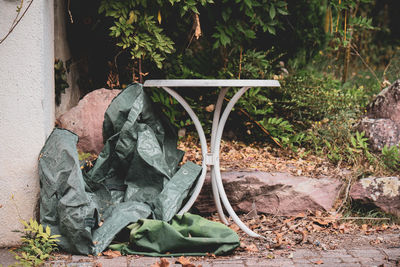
<point x="349" y="259"/>
<point x="256" y="261"/>
<point x="60" y="263"/>
<point x="276" y="262"/>
<point x="203" y="263"/>
<point x="393" y="253"/>
<point x="118" y="261"/>
<point x="228" y="264"/>
<point x="79" y="264"/>
<point x="143" y="261"/>
<point x="371" y="262"/>
<point x="81" y="258"/>
<point x="216" y="262"/>
<point x="329" y="265"/>
<point x="301" y="261"/>
<point x="335" y="253"/>
<point x="360" y="257"/>
<point x="367" y="253"/>
<point x="325" y="260"/>
<point x="305" y="253"/>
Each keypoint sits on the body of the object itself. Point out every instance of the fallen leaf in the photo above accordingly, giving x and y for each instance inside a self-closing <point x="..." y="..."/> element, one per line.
<point x="112" y="254"/>
<point x="210" y="108"/>
<point x="197" y="31"/>
<point x="304" y="235"/>
<point x="300" y="215"/>
<point x="270" y="256"/>
<point x="364" y="227"/>
<point x="211" y="255"/>
<point x="252" y="248"/>
<point x="278" y="239"/>
<point x="288" y="220"/>
<point x="321" y="221"/>
<point x="185" y="262"/>
<point x="234" y="227"/>
<point x="163" y="263"/>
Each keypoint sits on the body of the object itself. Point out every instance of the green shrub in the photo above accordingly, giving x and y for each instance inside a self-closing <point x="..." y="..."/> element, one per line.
<point x="391" y="157"/>
<point x="37" y="244"/>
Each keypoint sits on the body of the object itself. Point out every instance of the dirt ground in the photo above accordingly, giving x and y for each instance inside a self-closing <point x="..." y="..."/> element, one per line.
<point x="283" y="235"/>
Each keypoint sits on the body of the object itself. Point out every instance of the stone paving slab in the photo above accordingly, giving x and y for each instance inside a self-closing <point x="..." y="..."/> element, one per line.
<point x="389" y="257"/>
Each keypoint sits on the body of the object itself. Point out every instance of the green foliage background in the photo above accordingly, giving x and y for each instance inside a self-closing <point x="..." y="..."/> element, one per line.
<point x="330" y="56"/>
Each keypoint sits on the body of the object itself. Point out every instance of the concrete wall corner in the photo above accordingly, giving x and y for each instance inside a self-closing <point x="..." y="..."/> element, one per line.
<point x="26" y="110"/>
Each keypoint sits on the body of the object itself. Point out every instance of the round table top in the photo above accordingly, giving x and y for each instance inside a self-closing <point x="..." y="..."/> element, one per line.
<point x="210" y="83"/>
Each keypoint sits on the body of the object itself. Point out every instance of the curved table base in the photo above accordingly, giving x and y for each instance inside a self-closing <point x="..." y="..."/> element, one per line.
<point x="212" y="158"/>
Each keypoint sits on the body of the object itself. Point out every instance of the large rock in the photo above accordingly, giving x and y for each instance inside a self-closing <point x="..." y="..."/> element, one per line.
<point x="272" y="193"/>
<point x="380" y="132"/>
<point x="383" y="193"/>
<point x="382" y="121"/>
<point x="86" y="119"/>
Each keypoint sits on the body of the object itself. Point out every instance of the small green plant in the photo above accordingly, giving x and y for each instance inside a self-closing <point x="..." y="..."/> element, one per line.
<point x="391" y="157"/>
<point x="280" y="129"/>
<point x="37" y="244"/>
<point x="359" y="142"/>
<point x="60" y="79"/>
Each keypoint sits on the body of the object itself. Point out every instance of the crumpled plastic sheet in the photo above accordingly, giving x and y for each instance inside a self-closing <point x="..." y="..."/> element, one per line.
<point x="136" y="176"/>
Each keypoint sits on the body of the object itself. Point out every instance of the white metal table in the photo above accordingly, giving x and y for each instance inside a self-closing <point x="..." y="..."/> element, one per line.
<point x="212" y="159"/>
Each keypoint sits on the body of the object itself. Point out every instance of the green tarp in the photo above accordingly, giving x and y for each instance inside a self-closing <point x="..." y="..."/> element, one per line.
<point x="186" y="234"/>
<point x="136" y="176"/>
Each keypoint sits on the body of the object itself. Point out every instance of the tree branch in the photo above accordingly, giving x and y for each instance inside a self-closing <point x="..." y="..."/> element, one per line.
<point x="16" y="20"/>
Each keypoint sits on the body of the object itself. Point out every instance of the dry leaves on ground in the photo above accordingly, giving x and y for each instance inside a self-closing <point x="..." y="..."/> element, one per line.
<point x="237" y="155"/>
<point x="313" y="230"/>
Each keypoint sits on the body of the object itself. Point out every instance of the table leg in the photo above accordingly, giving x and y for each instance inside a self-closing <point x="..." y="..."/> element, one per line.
<point x="216" y="136"/>
<point x="216" y="170"/>
<point x="217" y="113"/>
<point x="203" y="143"/>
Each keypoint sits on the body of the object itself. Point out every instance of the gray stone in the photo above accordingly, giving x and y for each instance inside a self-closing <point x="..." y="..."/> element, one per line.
<point x="383" y="193"/>
<point x="272" y="193"/>
<point x="386" y="104"/>
<point x="86" y="119"/>
<point x="382" y="121"/>
<point x="380" y="132"/>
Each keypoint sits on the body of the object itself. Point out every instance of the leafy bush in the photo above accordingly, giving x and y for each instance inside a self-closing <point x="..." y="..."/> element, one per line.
<point x="37" y="244"/>
<point x="309" y="97"/>
<point x="391" y="157"/>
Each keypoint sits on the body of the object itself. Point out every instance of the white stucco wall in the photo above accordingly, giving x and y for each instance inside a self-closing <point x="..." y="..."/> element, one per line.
<point x="26" y="109"/>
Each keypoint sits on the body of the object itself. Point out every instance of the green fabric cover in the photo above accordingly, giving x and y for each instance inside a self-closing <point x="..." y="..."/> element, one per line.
<point x="136" y="175"/>
<point x="186" y="234"/>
